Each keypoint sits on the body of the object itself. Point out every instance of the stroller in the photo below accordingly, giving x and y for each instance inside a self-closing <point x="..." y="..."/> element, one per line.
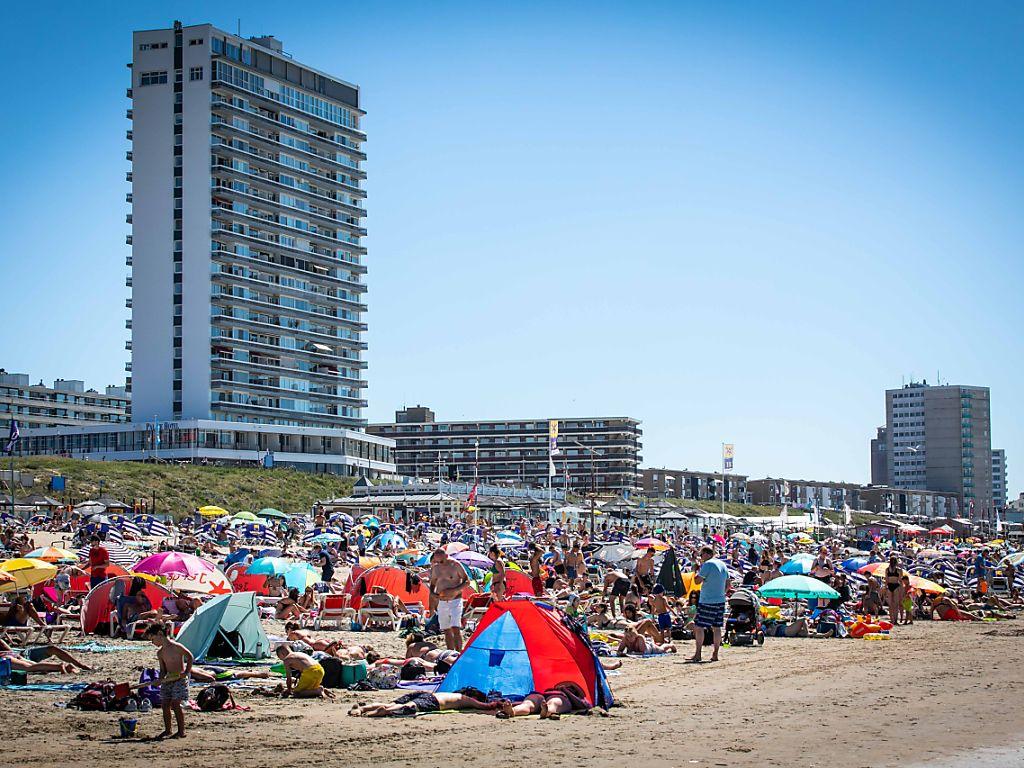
<point x="743" y="627"/>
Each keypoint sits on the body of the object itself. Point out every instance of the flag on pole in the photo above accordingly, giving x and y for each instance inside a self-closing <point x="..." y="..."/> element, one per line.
<point x="13" y="437"/>
<point x="847" y="514"/>
<point x="552" y="446"/>
<point x="728" y="454"/>
<point x="471" y="500"/>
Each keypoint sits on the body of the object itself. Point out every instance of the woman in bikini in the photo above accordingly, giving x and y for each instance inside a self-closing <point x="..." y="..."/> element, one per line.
<point x="894" y="587"/>
<point x="497" y="572"/>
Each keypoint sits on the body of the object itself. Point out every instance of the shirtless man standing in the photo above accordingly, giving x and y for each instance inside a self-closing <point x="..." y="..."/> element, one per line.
<point x="447" y="578"/>
<point x="645" y="572"/>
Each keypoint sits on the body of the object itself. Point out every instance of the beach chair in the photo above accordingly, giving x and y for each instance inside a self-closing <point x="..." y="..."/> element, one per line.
<point x="334" y="608"/>
<point x="369" y="613"/>
<point x="476" y="608"/>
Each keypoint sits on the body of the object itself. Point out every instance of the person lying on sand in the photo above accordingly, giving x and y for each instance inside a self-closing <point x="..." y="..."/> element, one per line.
<point x="222" y="675"/>
<point x="949" y="610"/>
<point x="599" y="619"/>
<point x="633" y="642"/>
<point x="31" y="659"/>
<point x="643" y="625"/>
<point x="297" y="634"/>
<point x="794" y="628"/>
<point x="422" y="702"/>
<point x="551" y="704"/>
<point x="309" y="672"/>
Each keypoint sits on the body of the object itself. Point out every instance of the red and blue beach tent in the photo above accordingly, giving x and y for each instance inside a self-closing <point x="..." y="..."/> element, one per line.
<point x="521" y="646"/>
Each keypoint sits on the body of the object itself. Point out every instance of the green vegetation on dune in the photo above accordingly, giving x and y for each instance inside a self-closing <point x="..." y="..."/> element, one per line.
<point x="181" y="488"/>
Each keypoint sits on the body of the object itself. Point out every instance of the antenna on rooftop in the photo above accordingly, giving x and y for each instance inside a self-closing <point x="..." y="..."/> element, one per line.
<point x="239" y="26"/>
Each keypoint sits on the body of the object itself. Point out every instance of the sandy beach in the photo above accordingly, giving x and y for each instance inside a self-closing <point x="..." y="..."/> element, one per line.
<point x="931" y="693"/>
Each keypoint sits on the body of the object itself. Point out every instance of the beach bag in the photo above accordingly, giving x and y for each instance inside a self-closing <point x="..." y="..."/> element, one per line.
<point x="214" y="698"/>
<point x="383" y="678"/>
<point x="151" y="692"/>
<point x="99" y="697"/>
<point x="332" y="673"/>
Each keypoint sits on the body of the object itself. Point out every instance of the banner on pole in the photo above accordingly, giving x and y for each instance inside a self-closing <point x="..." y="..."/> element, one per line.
<point x="727" y="455"/>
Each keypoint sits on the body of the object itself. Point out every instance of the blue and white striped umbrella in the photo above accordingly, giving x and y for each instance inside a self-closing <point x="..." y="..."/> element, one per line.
<point x="119" y="554"/>
<point x="313" y="533"/>
<point x="126" y="525"/>
<point x="152" y="525"/>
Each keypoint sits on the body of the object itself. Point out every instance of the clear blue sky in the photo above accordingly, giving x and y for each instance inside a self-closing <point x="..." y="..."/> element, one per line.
<point x="735" y="221"/>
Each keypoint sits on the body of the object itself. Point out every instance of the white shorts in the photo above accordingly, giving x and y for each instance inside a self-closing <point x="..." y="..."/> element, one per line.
<point x="449" y="613"/>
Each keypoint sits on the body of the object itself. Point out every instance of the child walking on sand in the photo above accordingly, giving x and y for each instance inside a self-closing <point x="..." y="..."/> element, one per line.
<point x="175" y="668"/>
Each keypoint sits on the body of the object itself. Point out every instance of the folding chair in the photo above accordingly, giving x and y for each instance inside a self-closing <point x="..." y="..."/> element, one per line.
<point x="334" y="608"/>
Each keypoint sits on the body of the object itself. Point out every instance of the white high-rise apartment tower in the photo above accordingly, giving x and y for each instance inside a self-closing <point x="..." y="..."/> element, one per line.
<point x="247" y="271"/>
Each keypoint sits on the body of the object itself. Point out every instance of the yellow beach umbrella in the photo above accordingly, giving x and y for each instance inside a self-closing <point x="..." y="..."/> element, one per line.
<point x="688" y="584"/>
<point x="211" y="511"/>
<point x="27" y="572"/>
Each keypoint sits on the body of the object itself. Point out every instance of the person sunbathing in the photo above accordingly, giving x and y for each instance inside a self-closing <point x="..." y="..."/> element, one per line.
<point x="31" y="659"/>
<point x="438" y="660"/>
<point x="421" y="702"/>
<point x="415" y="643"/>
<point x="643" y="625"/>
<point x="21" y="611"/>
<point x="223" y="675"/>
<point x="288" y="607"/>
<point x="308" y="600"/>
<point x="793" y="628"/>
<point x="636" y="643"/>
<point x="599" y="619"/>
<point x="949" y="610"/>
<point x="296" y="634"/>
<point x="563" y="699"/>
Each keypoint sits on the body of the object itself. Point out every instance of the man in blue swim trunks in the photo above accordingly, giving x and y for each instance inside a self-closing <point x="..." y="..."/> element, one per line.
<point x="712" y="578"/>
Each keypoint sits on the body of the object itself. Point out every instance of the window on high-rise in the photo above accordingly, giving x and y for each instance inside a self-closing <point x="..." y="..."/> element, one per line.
<point x="153" y="78"/>
<point x="195" y="73"/>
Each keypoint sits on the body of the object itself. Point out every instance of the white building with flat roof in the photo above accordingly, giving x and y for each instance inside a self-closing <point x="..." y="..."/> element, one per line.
<point x="312" y="449"/>
<point x="247" y="265"/>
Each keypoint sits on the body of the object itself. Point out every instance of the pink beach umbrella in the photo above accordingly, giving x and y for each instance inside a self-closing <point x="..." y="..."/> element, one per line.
<point x="174" y="564"/>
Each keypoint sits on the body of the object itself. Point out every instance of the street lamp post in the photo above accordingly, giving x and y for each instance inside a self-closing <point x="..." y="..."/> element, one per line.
<point x="593" y="482"/>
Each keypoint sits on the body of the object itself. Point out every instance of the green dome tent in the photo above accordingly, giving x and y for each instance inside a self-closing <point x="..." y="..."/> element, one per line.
<point x="226" y="627"/>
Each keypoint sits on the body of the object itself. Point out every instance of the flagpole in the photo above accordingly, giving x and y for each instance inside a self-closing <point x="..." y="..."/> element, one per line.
<point x="723" y="483"/>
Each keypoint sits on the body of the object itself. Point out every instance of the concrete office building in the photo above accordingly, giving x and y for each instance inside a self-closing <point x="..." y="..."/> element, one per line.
<point x="880" y="457"/>
<point x="247" y="204"/>
<point x="516" y="451"/>
<point x="939" y="438"/>
<point x="689" y="484"/>
<point x="66" y="402"/>
<point x="999" y="491"/>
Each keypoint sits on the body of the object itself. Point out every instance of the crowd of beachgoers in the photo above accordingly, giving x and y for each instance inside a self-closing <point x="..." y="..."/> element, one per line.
<point x="251" y="603"/>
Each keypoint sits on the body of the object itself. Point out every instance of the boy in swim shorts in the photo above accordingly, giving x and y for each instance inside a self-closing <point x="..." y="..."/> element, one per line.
<point x="175" y="668"/>
<point x="309" y="672"/>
